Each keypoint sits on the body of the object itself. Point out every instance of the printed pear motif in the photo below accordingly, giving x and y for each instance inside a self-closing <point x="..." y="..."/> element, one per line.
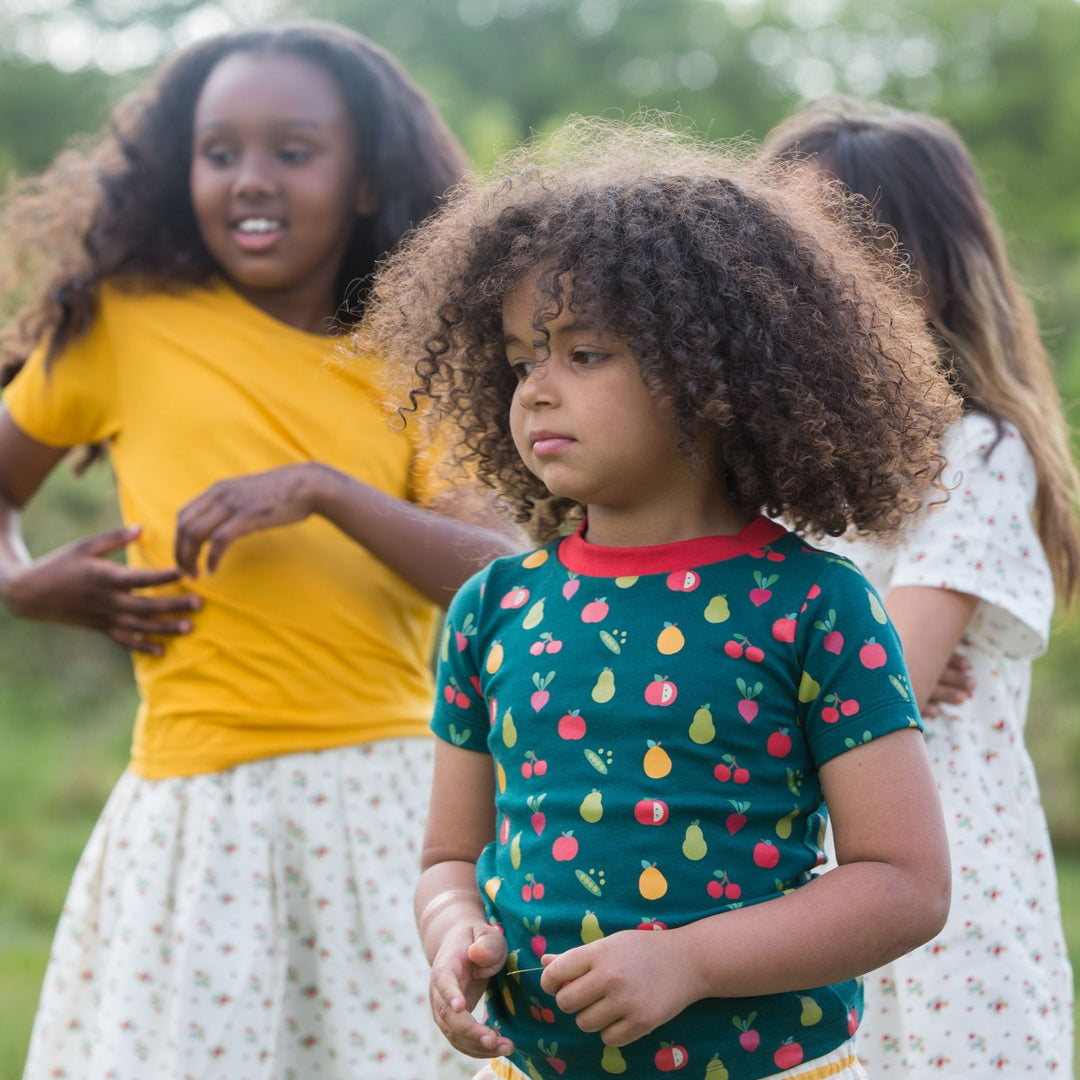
<point x="604" y="690"/>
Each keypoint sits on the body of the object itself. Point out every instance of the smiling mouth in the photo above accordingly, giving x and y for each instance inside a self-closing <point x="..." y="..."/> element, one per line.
<point x="257" y="233"/>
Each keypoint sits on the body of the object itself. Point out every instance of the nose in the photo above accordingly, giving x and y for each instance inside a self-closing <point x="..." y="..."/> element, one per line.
<point x="254" y="177"/>
<point x="538" y="388"/>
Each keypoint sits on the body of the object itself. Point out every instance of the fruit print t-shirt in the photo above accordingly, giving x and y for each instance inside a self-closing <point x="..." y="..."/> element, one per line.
<point x="657" y="718"/>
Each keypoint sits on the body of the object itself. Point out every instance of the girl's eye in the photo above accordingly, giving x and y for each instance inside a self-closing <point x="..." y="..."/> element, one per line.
<point x="220" y="157"/>
<point x="522" y="368"/>
<point x="294" y="155"/>
<point x="588" y="357"/>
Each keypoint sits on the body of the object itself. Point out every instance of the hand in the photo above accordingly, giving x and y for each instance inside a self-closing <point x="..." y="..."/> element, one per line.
<point x="77" y="585"/>
<point x="623" y="986"/>
<point x="467" y="958"/>
<point x="954" y="685"/>
<point x="233" y="508"/>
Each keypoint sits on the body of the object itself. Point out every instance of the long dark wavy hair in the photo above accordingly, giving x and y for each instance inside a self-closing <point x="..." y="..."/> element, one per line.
<point x="920" y="179"/>
<point x="755" y="307"/>
<point x="122" y="210"/>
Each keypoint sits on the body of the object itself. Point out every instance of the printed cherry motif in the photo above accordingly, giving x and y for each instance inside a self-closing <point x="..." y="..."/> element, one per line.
<point x="730" y="769"/>
<point x="547" y="643"/>
<point x="532" y="889"/>
<point x="721" y="887"/>
<point x="455" y="695"/>
<point x="740" y="645"/>
<point x="532" y="765"/>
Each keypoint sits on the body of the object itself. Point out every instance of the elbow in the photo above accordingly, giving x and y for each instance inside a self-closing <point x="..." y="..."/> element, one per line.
<point x="928" y="915"/>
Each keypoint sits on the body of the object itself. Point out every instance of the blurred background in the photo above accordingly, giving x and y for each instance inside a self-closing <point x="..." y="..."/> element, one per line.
<point x="1003" y="72"/>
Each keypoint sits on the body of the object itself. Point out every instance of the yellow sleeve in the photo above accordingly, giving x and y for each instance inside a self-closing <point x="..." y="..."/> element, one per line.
<point x="74" y="400"/>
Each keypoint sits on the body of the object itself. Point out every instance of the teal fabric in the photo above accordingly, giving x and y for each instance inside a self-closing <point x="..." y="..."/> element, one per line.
<point x="657" y="718"/>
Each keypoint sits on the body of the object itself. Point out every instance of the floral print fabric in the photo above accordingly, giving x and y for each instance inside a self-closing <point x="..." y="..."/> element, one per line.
<point x="253" y="924"/>
<point x="992" y="994"/>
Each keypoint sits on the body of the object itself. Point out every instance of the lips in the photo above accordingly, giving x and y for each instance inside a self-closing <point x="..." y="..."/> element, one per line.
<point x="546" y="443"/>
<point x="257" y="233"/>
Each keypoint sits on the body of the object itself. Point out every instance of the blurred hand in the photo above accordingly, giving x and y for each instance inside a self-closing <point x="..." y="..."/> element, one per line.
<point x="78" y="585"/>
<point x="954" y="686"/>
<point x="233" y="508"/>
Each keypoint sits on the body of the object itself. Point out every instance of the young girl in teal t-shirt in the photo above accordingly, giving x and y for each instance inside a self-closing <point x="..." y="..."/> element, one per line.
<point x="643" y="722"/>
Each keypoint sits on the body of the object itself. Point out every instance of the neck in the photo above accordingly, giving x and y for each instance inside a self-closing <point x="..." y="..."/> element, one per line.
<point x="665" y="524"/>
<point x="314" y="314"/>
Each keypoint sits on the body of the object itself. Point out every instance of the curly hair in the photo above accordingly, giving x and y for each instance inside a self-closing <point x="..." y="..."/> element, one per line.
<point x="753" y="304"/>
<point x="122" y="209"/>
<point x="922" y="182"/>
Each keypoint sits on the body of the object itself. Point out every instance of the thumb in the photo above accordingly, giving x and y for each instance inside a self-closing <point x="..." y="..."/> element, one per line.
<point x="106" y="543"/>
<point x="487" y="953"/>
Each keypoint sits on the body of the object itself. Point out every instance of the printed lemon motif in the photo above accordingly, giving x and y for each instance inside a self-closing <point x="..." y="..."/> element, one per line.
<point x="534" y="616"/>
<point x="604" y="690"/>
<point x="656" y="763"/>
<point x="670" y="640"/>
<point x="612" y="1061"/>
<point x="494" y="658"/>
<point x="535" y="559"/>
<point x="702" y="728"/>
<point x="651" y="883"/>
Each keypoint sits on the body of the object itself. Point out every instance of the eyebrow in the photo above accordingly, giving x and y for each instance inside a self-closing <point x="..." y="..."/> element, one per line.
<point x="567" y="328"/>
<point x="287" y="122"/>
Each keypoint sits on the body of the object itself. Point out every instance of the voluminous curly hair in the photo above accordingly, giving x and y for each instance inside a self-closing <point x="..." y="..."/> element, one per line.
<point x="121" y="208"/>
<point x="755" y="305"/>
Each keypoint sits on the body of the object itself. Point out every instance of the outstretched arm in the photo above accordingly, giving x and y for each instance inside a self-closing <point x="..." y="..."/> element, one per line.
<point x="463" y="948"/>
<point x="435" y="549"/>
<point x="889" y="894"/>
<point x="77" y="584"/>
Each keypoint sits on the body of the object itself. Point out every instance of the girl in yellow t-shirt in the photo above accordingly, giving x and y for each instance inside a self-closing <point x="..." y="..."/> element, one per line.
<point x="243" y="907"/>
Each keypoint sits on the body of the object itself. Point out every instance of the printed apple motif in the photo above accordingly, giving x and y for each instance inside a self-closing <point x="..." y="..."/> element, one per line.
<point x="571" y="726"/>
<point x="595" y="611"/>
<point x="661" y="691"/>
<point x="565" y="848"/>
<point x="766" y="854"/>
<point x="651" y="924"/>
<point x="651" y="811"/>
<point x="784" y="628"/>
<point x="515" y="598"/>
<point x="683" y="581"/>
<point x="670" y="1057"/>
<point x="788" y="1056"/>
<point x="779" y="744"/>
<point x="872" y="655"/>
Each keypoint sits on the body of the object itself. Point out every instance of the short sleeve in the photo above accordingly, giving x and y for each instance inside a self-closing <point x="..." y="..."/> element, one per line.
<point x="460" y="715"/>
<point x="982" y="540"/>
<point x="73" y="400"/>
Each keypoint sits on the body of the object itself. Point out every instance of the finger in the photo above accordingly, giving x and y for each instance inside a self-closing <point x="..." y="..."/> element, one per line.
<point x="135" y="641"/>
<point x="163" y="627"/>
<point x="106" y="543"/>
<point x="223" y="537"/>
<point x="150" y="607"/>
<point x="117" y="576"/>
<point x="192" y="534"/>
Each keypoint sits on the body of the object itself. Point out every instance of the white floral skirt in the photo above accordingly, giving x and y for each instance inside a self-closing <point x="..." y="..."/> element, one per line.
<point x="254" y="924"/>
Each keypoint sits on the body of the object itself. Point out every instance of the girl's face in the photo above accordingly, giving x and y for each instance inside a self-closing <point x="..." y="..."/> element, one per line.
<point x="274" y="182"/>
<point x="585" y="423"/>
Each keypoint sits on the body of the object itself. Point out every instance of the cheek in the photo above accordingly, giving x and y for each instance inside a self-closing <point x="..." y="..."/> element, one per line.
<point x="518" y="419"/>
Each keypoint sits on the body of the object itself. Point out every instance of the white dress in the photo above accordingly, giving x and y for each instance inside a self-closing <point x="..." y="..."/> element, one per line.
<point x="992" y="995"/>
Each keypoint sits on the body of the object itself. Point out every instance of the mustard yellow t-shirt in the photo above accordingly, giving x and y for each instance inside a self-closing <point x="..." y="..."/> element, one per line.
<point x="305" y="640"/>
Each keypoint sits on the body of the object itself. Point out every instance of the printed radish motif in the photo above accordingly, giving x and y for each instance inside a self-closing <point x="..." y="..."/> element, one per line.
<point x="834" y="640"/>
<point x="550" y="1056"/>
<point x="570" y="586"/>
<point x="683" y="581"/>
<point x="539" y="818"/>
<point x="749" y="1040"/>
<point x="595" y="611"/>
<point x="661" y="691"/>
<point x="468" y="630"/>
<point x="748" y="707"/>
<point x="763" y="593"/>
<point x="737" y="819"/>
<point x="515" y="598"/>
<point x="540" y="695"/>
<point x="872" y="655"/>
<point x="538" y="942"/>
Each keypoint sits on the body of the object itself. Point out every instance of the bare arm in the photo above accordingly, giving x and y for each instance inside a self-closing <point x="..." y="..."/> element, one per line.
<point x="464" y="950"/>
<point x="76" y="584"/>
<point x="436" y="549"/>
<point x="888" y="895"/>
<point x="930" y="623"/>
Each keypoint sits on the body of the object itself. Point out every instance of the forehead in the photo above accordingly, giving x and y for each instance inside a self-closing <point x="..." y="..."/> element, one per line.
<point x="250" y="87"/>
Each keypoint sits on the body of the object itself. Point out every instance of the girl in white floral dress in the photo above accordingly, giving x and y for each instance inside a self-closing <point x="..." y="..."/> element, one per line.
<point x="992" y="994"/>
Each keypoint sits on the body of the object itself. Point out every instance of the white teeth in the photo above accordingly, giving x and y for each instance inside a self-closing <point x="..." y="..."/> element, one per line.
<point x="258" y="225"/>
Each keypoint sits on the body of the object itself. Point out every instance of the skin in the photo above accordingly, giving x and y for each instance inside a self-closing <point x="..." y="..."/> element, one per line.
<point x="272" y="141"/>
<point x="890" y="891"/>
